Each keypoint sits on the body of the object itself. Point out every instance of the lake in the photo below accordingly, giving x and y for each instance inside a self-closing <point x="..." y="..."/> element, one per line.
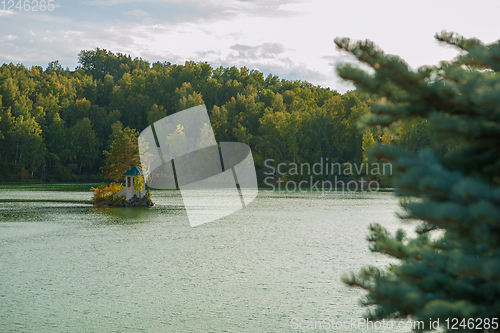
<point x="66" y="266"/>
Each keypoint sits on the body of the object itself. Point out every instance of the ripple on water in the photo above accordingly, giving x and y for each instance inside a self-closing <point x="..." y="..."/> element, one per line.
<point x="69" y="266"/>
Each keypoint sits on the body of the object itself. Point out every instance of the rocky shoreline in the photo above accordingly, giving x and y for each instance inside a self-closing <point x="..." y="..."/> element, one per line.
<point x="133" y="202"/>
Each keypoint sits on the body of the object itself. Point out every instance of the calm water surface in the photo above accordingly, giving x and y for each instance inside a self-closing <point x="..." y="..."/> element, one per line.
<point x="66" y="266"/>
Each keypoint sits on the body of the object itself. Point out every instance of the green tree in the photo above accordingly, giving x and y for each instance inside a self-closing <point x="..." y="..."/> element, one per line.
<point x="30" y="148"/>
<point x="368" y="142"/>
<point x="187" y="97"/>
<point x="156" y="113"/>
<point x="281" y="130"/>
<point x="451" y="268"/>
<point x="84" y="143"/>
<point x="6" y="125"/>
<point x="281" y="119"/>
<point x="122" y="154"/>
<point x="220" y="125"/>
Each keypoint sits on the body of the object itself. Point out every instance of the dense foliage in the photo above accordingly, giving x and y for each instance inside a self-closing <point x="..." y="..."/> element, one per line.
<point x="123" y="152"/>
<point x="55" y="124"/>
<point x="105" y="192"/>
<point x="450" y="271"/>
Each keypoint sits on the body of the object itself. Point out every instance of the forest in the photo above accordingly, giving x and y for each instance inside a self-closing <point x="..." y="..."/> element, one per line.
<point x="56" y="124"/>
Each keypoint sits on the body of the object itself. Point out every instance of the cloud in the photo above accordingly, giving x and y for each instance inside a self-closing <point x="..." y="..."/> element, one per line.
<point x="288" y="38"/>
<point x="8" y="38"/>
<point x="68" y="33"/>
<point x="262" y="51"/>
<point x="207" y="10"/>
<point x="339" y="58"/>
<point x="4" y="13"/>
<point x="232" y="9"/>
<point x="260" y="34"/>
<point x="136" y="13"/>
<point x="109" y="2"/>
<point x="210" y="54"/>
<point x="293" y="71"/>
<point x="50" y="19"/>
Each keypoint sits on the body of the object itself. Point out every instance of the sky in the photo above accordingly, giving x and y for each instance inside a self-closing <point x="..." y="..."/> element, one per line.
<point x="292" y="39"/>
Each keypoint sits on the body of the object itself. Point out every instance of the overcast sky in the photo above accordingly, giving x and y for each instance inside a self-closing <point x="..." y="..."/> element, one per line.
<point x="289" y="38"/>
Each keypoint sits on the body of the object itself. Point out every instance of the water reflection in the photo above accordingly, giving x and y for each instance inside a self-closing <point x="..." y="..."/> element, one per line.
<point x="123" y="215"/>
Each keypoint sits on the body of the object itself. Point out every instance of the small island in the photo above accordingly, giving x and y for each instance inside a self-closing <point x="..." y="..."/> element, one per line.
<point x="123" y="154"/>
<point x="133" y="194"/>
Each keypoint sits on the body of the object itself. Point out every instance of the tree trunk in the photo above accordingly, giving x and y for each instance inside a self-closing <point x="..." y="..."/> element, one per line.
<point x="17" y="150"/>
<point x="20" y="157"/>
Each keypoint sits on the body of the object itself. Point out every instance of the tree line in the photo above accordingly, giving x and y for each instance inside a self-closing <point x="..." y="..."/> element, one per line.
<point x="56" y="124"/>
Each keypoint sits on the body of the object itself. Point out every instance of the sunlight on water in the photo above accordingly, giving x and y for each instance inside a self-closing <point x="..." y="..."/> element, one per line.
<point x="68" y="266"/>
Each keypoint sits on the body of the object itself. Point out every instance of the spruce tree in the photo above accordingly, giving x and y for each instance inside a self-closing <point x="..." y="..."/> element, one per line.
<point x="451" y="267"/>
